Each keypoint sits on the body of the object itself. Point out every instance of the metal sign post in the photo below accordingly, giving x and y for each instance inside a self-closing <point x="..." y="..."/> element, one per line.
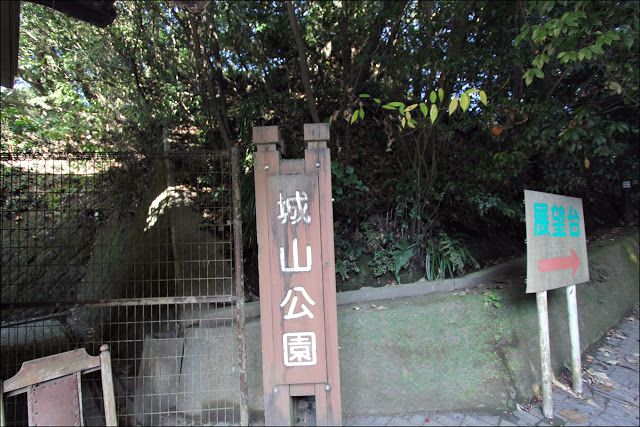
<point x="297" y="276"/>
<point x="545" y="353"/>
<point x="574" y="336"/>
<point x="556" y="257"/>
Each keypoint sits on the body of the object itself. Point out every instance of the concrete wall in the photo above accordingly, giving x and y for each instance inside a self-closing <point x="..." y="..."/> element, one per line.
<point x="408" y="348"/>
<point x="449" y="350"/>
<point x="118" y="262"/>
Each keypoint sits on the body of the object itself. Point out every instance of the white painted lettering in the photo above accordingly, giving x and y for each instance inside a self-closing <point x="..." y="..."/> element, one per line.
<point x="296" y="262"/>
<point x="294" y="303"/>
<point x="293" y="209"/>
<point x="299" y="349"/>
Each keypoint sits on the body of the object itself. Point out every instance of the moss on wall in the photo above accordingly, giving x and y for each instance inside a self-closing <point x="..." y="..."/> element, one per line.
<point x="450" y="351"/>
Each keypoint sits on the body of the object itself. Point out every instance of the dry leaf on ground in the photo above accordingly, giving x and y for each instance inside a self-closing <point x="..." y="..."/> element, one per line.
<point x="600" y="375"/>
<point x="604" y="386"/>
<point x="600" y="379"/>
<point x="573" y="416"/>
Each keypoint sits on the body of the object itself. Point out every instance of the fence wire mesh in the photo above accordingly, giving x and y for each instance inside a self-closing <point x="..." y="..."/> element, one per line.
<point x="129" y="249"/>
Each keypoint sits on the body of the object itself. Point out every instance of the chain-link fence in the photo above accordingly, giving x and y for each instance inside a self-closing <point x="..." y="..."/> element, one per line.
<point x="130" y="249"/>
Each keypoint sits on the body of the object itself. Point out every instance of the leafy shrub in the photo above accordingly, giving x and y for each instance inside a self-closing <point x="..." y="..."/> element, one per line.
<point x="349" y="194"/>
<point x="390" y="252"/>
<point x="446" y="256"/>
<point x="347" y="255"/>
<point x="401" y="254"/>
<point x="378" y="242"/>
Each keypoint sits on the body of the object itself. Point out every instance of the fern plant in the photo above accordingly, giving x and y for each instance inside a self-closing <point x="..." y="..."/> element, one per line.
<point x="390" y="253"/>
<point x="446" y="256"/>
<point x="401" y="254"/>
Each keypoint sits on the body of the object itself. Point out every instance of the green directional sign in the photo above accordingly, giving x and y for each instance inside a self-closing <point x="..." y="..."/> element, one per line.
<point x="556" y="241"/>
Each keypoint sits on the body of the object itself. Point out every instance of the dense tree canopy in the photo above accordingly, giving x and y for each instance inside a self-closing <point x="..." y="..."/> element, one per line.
<point x="561" y="113"/>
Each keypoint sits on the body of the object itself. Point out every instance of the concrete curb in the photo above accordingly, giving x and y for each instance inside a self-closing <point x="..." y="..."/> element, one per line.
<point x="368" y="294"/>
<point x="420" y="288"/>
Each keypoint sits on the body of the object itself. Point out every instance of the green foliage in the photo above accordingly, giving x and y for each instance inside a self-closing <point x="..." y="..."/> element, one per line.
<point x="379" y="243"/>
<point x="434" y="156"/>
<point x="570" y="33"/>
<point x="347" y="256"/>
<point x="401" y="253"/>
<point x="406" y="118"/>
<point x="350" y="202"/>
<point x="350" y="195"/>
<point x="446" y="256"/>
<point x="390" y="256"/>
<point x="492" y="299"/>
<point x="29" y="122"/>
<point x="345" y="180"/>
<point x="73" y="89"/>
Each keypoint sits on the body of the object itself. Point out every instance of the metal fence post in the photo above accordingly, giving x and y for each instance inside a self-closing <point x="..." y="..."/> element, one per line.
<point x="239" y="279"/>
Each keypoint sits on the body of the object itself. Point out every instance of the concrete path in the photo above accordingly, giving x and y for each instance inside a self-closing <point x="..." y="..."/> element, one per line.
<point x="610" y="375"/>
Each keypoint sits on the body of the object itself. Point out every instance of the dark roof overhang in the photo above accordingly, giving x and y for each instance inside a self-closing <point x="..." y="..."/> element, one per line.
<point x="100" y="13"/>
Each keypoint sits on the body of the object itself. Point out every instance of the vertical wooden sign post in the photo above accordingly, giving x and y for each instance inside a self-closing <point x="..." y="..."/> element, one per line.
<point x="556" y="257"/>
<point x="294" y="220"/>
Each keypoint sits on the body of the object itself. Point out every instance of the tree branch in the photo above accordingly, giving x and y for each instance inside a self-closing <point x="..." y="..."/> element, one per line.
<point x="304" y="66"/>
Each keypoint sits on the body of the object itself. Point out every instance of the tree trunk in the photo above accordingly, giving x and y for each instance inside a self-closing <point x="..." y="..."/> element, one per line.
<point x="516" y="88"/>
<point x="457" y="39"/>
<point x="304" y="66"/>
<point x="207" y="89"/>
<point x="218" y="77"/>
<point x="390" y="15"/>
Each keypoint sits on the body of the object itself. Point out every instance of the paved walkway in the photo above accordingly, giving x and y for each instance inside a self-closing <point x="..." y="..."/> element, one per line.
<point x="610" y="375"/>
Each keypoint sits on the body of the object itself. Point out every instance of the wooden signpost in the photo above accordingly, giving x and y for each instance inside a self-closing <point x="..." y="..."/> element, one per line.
<point x="298" y="309"/>
<point x="556" y="257"/>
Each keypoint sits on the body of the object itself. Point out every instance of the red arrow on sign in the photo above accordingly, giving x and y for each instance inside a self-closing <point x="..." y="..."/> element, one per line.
<point x="560" y="263"/>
